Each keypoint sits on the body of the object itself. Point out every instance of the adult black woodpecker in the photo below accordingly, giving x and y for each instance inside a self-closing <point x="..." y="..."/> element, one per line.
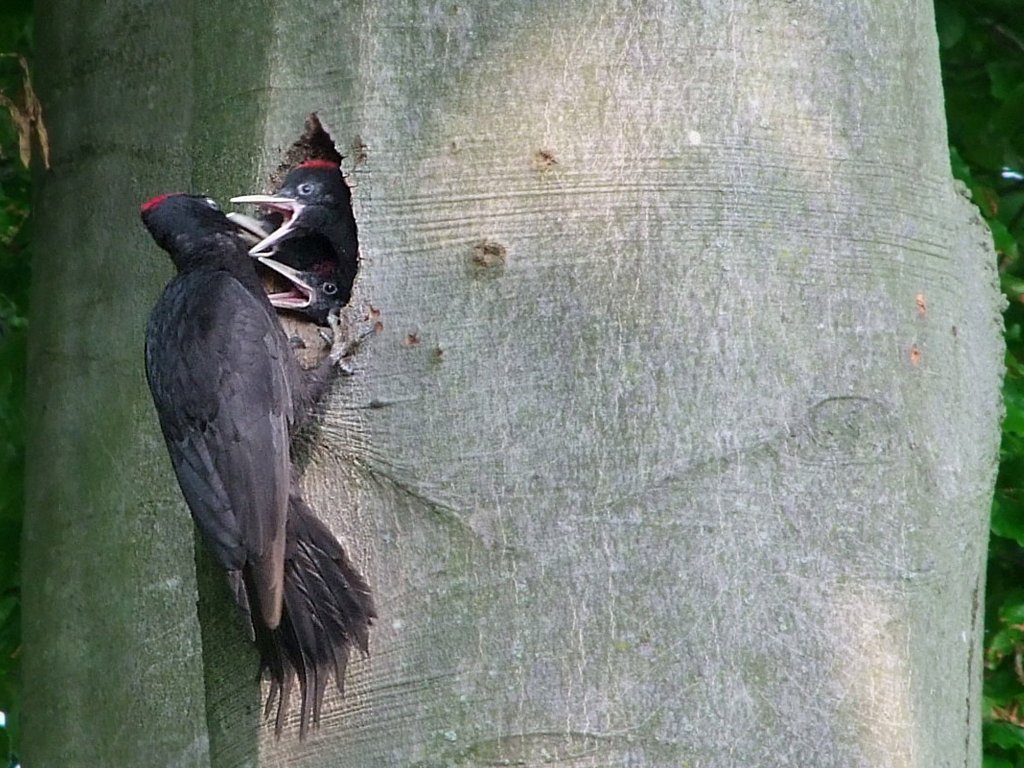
<point x="229" y="395"/>
<point x="317" y="238"/>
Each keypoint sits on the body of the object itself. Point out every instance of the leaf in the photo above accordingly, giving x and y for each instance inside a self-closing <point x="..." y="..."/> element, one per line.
<point x="1013" y="614"/>
<point x="949" y="23"/>
<point x="1008" y="519"/>
<point x="1013" y="387"/>
<point x="1004" y="735"/>
<point x="1006" y="78"/>
<point x="28" y="116"/>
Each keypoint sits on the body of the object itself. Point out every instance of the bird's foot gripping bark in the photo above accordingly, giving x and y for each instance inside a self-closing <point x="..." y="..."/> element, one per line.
<point x="349" y="327"/>
<point x="346" y="334"/>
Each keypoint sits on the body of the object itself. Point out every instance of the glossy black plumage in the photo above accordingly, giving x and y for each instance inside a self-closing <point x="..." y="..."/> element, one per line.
<point x="313" y="231"/>
<point x="327" y="281"/>
<point x="229" y="395"/>
<point x="222" y="376"/>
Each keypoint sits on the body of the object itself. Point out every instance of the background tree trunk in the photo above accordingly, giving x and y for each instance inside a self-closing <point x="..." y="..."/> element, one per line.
<point x="677" y="445"/>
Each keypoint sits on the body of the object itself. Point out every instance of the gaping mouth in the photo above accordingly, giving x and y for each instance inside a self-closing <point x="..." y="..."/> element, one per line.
<point x="289" y="207"/>
<point x="301" y="293"/>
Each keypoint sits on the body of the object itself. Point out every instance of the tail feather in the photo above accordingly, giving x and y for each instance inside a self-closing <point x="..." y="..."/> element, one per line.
<point x="327" y="608"/>
<point x="236" y="580"/>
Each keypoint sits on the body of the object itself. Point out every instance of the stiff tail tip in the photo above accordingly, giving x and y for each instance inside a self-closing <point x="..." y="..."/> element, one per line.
<point x="327" y="610"/>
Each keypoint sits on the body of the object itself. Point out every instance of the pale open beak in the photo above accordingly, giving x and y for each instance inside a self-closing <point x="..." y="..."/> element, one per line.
<point x="251" y="229"/>
<point x="302" y="293"/>
<point x="289" y="206"/>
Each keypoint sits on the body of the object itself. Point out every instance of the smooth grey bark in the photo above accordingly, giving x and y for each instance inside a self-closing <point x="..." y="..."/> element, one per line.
<point x="678" y="442"/>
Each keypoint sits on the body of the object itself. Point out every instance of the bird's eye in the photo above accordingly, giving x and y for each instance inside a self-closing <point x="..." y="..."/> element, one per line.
<point x="306" y="188"/>
<point x="330" y="289"/>
<point x="212" y="203"/>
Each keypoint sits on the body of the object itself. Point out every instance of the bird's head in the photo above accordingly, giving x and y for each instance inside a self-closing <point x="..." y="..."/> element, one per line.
<point x="309" y="199"/>
<point x="187" y="226"/>
<point x="313" y="292"/>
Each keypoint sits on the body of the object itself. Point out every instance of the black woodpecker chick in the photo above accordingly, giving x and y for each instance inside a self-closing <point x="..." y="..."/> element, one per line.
<point x="314" y="292"/>
<point x="317" y="238"/>
<point x="229" y="395"/>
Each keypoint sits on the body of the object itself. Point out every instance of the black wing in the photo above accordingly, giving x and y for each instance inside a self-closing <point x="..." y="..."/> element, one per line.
<point x="216" y="361"/>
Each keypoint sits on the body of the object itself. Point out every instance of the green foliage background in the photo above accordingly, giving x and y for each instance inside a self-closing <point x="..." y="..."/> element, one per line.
<point x="15" y="37"/>
<point x="982" y="51"/>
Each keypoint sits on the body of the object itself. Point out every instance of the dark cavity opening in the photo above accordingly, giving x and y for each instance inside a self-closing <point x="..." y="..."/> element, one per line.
<point x="323" y="247"/>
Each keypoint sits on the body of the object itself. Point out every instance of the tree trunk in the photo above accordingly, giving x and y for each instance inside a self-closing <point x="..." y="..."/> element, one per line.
<point x="678" y="442"/>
